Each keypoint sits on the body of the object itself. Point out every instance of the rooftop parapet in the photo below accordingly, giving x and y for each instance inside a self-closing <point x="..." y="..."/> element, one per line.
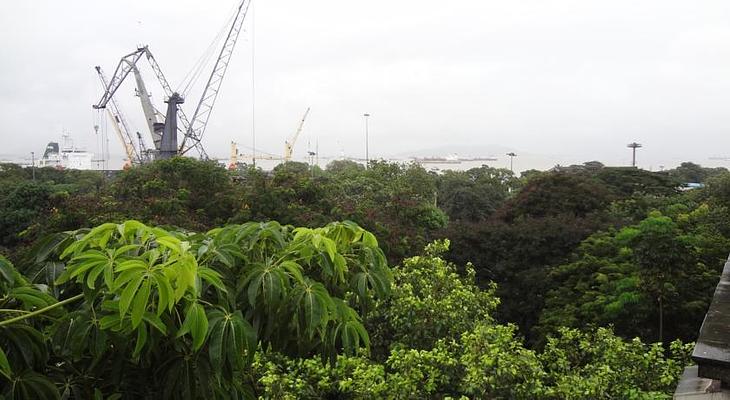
<point x="712" y="351"/>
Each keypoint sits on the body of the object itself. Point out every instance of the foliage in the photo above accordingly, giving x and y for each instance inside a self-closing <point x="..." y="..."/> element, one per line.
<point x="598" y="364"/>
<point x="626" y="181"/>
<point x="19" y="206"/>
<point x="179" y="191"/>
<point x="689" y="172"/>
<point x="658" y="272"/>
<point x="182" y="314"/>
<point x="486" y="360"/>
<point x="518" y="257"/>
<point x="583" y="246"/>
<point x="430" y="301"/>
<point x="474" y="194"/>
<point x="290" y="194"/>
<point x="555" y="194"/>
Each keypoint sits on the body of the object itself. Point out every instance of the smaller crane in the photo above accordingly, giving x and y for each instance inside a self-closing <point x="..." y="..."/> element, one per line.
<point x="289" y="144"/>
<point x="134" y="155"/>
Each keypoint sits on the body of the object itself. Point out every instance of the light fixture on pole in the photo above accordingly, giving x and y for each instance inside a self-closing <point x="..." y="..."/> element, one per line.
<point x="367" y="150"/>
<point x="633" y="146"/>
<point x="511" y="157"/>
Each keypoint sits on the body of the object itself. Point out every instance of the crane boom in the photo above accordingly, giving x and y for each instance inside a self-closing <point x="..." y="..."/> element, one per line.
<point x="149" y="111"/>
<point x="289" y="144"/>
<point x="120" y="73"/>
<point x="198" y="122"/>
<point x="120" y="125"/>
<point x="127" y="64"/>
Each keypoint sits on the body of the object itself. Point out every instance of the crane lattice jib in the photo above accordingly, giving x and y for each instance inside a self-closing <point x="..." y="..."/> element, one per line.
<point x="134" y="155"/>
<point x="123" y="69"/>
<point x="197" y="125"/>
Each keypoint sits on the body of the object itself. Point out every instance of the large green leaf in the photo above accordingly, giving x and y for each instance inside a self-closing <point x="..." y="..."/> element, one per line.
<point x="196" y="323"/>
<point x="32" y="385"/>
<point x="232" y="340"/>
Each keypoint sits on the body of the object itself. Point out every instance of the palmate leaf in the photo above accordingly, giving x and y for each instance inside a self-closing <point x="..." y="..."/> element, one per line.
<point x="140" y="303"/>
<point x="212" y="277"/>
<point x="32" y="298"/>
<point x="32" y="385"/>
<point x="82" y="263"/>
<point x="185" y="376"/>
<point x="24" y="345"/>
<point x="79" y="335"/>
<point x="347" y="329"/>
<point x="373" y="280"/>
<point x="232" y="340"/>
<point x="313" y="304"/>
<point x="129" y="292"/>
<point x="137" y="282"/>
<point x="196" y="323"/>
<point x="268" y="282"/>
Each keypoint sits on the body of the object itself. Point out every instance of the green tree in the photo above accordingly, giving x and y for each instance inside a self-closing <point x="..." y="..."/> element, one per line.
<point x="690" y="172"/>
<point x="483" y="360"/>
<point x="475" y="194"/>
<point x="180" y="191"/>
<point x="148" y="312"/>
<point x="555" y="194"/>
<point x="653" y="280"/>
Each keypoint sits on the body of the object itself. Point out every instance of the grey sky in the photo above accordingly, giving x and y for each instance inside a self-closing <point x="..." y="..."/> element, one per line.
<point x="574" y="80"/>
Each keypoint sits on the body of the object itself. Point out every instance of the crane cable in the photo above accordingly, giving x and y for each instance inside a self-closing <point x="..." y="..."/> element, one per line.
<point x="259" y="151"/>
<point x="196" y="71"/>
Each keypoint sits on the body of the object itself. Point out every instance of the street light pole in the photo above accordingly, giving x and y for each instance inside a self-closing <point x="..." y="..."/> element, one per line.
<point x="367" y="150"/>
<point x="32" y="162"/>
<point x="511" y="157"/>
<point x="633" y="146"/>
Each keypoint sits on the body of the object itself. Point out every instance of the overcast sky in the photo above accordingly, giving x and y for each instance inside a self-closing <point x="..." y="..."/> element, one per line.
<point x="574" y="80"/>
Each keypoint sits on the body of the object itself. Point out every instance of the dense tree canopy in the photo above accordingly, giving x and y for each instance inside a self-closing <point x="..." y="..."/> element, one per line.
<point x="552" y="286"/>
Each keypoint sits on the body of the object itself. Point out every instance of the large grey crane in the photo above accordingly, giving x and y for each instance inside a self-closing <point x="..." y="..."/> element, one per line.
<point x="127" y="64"/>
<point x="165" y="135"/>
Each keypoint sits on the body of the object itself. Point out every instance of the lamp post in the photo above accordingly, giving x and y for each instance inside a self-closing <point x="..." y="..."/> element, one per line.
<point x="367" y="152"/>
<point x="633" y="146"/>
<point x="32" y="163"/>
<point x="511" y="157"/>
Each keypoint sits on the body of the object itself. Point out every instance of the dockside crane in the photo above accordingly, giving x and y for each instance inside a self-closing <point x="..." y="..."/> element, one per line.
<point x="134" y="155"/>
<point x="289" y="144"/>
<point x="164" y="134"/>
<point x="129" y="63"/>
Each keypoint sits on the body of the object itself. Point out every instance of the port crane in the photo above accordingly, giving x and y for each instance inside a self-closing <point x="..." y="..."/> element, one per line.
<point x="164" y="134"/>
<point x="260" y="155"/>
<point x="134" y="154"/>
<point x="289" y="144"/>
<point x="288" y="148"/>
